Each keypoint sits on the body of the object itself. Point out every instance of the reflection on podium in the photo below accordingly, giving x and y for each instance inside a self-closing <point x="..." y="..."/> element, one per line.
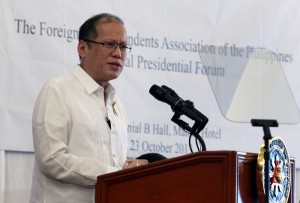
<point x="208" y="177"/>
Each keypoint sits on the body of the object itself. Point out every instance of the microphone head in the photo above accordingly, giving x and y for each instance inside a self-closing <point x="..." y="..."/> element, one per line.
<point x="162" y="95"/>
<point x="157" y="92"/>
<point x="171" y="92"/>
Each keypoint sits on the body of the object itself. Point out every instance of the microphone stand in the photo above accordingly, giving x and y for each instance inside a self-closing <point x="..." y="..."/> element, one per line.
<point x="266" y="124"/>
<point x="199" y="118"/>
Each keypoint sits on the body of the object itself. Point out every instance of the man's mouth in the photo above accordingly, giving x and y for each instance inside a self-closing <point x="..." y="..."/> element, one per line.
<point x="116" y="64"/>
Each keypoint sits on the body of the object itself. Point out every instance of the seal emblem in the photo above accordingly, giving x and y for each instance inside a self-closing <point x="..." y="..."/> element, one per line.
<point x="279" y="172"/>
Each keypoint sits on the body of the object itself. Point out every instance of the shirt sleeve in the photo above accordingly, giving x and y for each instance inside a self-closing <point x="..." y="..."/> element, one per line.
<point x="51" y="126"/>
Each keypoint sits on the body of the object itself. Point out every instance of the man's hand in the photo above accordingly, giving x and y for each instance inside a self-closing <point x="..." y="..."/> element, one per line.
<point x="130" y="163"/>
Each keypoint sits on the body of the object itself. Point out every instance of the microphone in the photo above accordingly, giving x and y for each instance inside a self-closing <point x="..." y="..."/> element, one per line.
<point x="171" y="92"/>
<point x="169" y="96"/>
<point x="163" y="95"/>
<point x="180" y="107"/>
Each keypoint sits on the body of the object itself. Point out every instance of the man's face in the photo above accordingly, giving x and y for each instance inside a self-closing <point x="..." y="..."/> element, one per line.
<point x="101" y="63"/>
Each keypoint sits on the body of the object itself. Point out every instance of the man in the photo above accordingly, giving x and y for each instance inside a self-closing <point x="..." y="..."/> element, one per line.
<point x="79" y="125"/>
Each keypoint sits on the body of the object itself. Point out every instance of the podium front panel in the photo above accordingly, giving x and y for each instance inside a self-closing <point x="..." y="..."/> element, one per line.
<point x="208" y="177"/>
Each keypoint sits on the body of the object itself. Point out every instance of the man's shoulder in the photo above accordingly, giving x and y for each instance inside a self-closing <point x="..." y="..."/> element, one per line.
<point x="61" y="80"/>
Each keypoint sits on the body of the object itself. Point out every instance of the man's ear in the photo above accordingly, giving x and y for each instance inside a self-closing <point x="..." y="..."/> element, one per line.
<point x="82" y="48"/>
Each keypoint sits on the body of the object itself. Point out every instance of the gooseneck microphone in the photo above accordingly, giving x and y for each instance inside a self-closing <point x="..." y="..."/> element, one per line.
<point x="169" y="96"/>
<point x="181" y="107"/>
<point x="162" y="95"/>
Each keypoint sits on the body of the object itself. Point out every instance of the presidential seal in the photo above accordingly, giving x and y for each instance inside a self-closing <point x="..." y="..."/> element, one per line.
<point x="279" y="172"/>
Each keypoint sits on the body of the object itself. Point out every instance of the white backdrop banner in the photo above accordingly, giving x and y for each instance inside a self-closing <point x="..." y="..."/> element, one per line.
<point x="39" y="38"/>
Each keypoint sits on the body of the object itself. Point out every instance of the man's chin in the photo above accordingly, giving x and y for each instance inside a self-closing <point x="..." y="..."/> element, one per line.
<point x="114" y="76"/>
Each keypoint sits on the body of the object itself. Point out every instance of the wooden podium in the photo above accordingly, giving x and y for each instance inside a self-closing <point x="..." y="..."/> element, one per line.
<point x="205" y="177"/>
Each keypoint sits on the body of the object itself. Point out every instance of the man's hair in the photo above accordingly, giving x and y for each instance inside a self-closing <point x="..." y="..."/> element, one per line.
<point x="88" y="29"/>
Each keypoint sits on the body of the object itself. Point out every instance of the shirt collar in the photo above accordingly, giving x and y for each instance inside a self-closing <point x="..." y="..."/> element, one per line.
<point x="90" y="84"/>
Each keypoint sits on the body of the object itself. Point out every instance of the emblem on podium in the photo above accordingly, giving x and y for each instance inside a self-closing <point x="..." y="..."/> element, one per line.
<point x="279" y="172"/>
